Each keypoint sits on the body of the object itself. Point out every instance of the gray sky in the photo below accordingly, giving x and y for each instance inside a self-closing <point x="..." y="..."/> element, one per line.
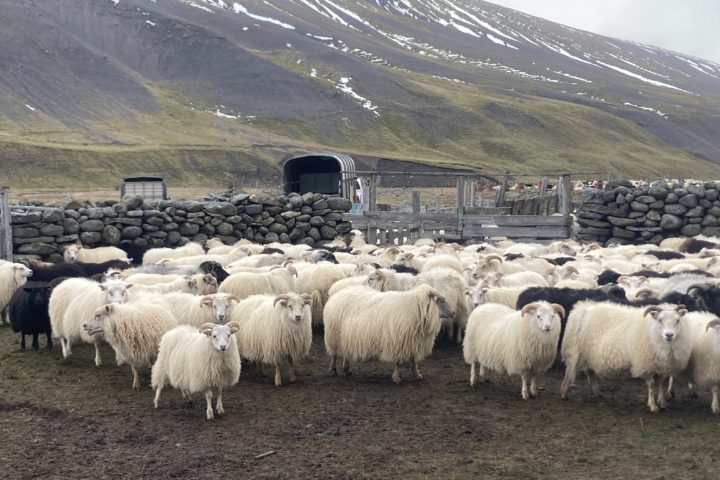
<point x="687" y="26"/>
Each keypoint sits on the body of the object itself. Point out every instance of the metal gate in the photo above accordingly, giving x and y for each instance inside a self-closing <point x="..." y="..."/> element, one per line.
<point x="5" y="225"/>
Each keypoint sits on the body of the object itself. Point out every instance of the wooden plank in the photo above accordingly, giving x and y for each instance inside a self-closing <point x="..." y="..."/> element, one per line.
<point x="543" y="191"/>
<point x="516" y="232"/>
<point x="565" y="193"/>
<point x="372" y="194"/>
<point x="460" y="195"/>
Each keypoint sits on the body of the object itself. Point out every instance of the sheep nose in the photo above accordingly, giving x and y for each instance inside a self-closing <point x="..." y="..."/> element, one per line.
<point x="298" y="318"/>
<point x="669" y="336"/>
<point x="223" y="348"/>
<point x="221" y="317"/>
<point x="547" y="328"/>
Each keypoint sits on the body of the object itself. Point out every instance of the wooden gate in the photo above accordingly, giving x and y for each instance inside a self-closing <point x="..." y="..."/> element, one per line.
<point x="5" y="225"/>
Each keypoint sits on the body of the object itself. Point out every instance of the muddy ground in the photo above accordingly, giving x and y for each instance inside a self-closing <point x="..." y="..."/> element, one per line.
<point x="69" y="420"/>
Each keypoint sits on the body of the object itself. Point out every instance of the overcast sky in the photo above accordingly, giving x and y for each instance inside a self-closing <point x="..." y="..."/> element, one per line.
<point x="688" y="26"/>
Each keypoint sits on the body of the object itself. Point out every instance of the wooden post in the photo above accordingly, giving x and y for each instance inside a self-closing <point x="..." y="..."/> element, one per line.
<point x="565" y="195"/>
<point x="543" y="189"/>
<point x="500" y="197"/>
<point x="460" y="195"/>
<point x="372" y="194"/>
<point x="416" y="201"/>
<point x="6" y="251"/>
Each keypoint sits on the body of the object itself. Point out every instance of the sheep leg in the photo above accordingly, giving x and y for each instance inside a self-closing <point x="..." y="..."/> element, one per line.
<point x="592" y="380"/>
<point x="49" y="341"/>
<point x="136" y="378"/>
<point x="98" y="360"/>
<point x="292" y="369"/>
<point x="660" y="393"/>
<point x="333" y="365"/>
<point x="459" y="334"/>
<point x="473" y="374"/>
<point x="691" y="387"/>
<point x="218" y="402"/>
<point x="22" y="341"/>
<point x="569" y="379"/>
<point x="208" y="399"/>
<point x="671" y="389"/>
<point x="533" y="385"/>
<point x="68" y="347"/>
<point x="64" y="347"/>
<point x="4" y="316"/>
<point x="525" y="392"/>
<point x="396" y="373"/>
<point x="278" y="378"/>
<point x="650" y="382"/>
<point x="260" y="367"/>
<point x="715" y="406"/>
<point x="158" y="390"/>
<point x="346" y="366"/>
<point x="35" y="343"/>
<point x="415" y="368"/>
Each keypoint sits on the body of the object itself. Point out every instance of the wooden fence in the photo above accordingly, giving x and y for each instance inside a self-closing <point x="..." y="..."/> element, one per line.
<point x="467" y="223"/>
<point x="5" y="225"/>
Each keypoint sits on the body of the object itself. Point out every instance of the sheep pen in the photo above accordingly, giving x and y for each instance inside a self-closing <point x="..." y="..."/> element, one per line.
<point x="92" y="425"/>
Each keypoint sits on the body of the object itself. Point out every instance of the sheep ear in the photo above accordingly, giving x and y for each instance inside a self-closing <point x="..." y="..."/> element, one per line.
<point x="714" y="324"/>
<point x="467" y="292"/>
<point x="109" y="308"/>
<point x="307" y="298"/>
<point x="484" y="290"/>
<point x="207" y="332"/>
<point x="681" y="310"/>
<point x="192" y="283"/>
<point x="206" y="301"/>
<point x="233" y="298"/>
<point x="234" y="327"/>
<point x="129" y="285"/>
<point x="102" y="287"/>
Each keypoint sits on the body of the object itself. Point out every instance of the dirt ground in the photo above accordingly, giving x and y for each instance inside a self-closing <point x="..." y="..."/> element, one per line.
<point x="70" y="420"/>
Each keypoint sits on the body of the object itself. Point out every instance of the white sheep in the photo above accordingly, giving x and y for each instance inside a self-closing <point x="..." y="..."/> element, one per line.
<point x="606" y="339"/>
<point x="78" y="253"/>
<point x="198" y="284"/>
<point x="75" y="300"/>
<point x="703" y="369"/>
<point x="12" y="277"/>
<point x="194" y="310"/>
<point x="316" y="279"/>
<point x="399" y="327"/>
<point x="154" y="255"/>
<point x="198" y="361"/>
<point x="195" y="260"/>
<point x="513" y="342"/>
<point x="274" y="282"/>
<point x="520" y="279"/>
<point x="133" y="330"/>
<point x="443" y="260"/>
<point x="274" y="328"/>
<point x="478" y="295"/>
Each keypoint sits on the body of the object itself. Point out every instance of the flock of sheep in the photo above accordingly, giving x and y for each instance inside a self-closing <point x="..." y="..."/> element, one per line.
<point x="641" y="311"/>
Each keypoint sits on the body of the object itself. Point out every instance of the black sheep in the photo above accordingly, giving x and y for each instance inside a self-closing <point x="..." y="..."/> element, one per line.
<point x="29" y="313"/>
<point x="513" y="256"/>
<point x="134" y="252"/>
<point x="707" y="297"/>
<point x="404" y="269"/>
<point x="271" y="250"/>
<point x="90" y="269"/>
<point x="214" y="269"/>
<point x="665" y="255"/>
<point x="45" y="272"/>
<point x="693" y="245"/>
<point x="560" y="261"/>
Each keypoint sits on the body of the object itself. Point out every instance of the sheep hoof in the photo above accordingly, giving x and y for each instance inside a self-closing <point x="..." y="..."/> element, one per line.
<point x="654" y="409"/>
<point x="396" y="379"/>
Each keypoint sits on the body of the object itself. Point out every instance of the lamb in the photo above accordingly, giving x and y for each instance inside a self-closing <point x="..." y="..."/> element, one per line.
<point x="399" y="327"/>
<point x="198" y="361"/>
<point x="12" y="277"/>
<point x="513" y="342"/>
<point x="154" y="255"/>
<point x="29" y="313"/>
<point x="133" y="331"/>
<point x="244" y="284"/>
<point x="703" y="369"/>
<point x="271" y="329"/>
<point x="607" y="339"/>
<point x="75" y="300"/>
<point x="78" y="253"/>
<point x="194" y="310"/>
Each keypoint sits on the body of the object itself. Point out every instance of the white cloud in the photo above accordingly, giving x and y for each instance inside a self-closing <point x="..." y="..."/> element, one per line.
<point x="687" y="26"/>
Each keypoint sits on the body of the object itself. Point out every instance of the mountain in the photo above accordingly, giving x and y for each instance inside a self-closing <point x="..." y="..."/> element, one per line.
<point x="210" y="91"/>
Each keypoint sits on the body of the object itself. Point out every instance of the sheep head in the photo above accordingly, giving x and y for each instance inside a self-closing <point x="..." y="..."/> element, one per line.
<point x="115" y="291"/>
<point x="547" y="316"/>
<point x="71" y="252"/>
<point x="376" y="280"/>
<point x="219" y="334"/>
<point x="667" y="320"/>
<point x="295" y="307"/>
<point x="96" y="324"/>
<point x="436" y="297"/>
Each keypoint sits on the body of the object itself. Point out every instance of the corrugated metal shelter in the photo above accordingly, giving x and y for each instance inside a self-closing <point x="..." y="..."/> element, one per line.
<point x="320" y="172"/>
<point x="149" y="188"/>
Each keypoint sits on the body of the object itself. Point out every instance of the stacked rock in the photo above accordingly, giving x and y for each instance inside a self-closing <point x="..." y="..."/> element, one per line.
<point x="623" y="213"/>
<point x="311" y="219"/>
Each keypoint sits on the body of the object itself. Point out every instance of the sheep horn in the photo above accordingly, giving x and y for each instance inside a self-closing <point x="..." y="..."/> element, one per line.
<point x="230" y="298"/>
<point x="712" y="324"/>
<point x="571" y="269"/>
<point x="287" y="262"/>
<point x="530" y="307"/>
<point x="207" y="300"/>
<point x="652" y="308"/>
<point x="292" y="270"/>
<point x="559" y="309"/>
<point x="494" y="257"/>
<point x="644" y="293"/>
<point x="279" y="298"/>
<point x="206" y="326"/>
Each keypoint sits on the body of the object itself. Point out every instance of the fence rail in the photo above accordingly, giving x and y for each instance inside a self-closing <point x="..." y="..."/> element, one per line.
<point x="5" y="225"/>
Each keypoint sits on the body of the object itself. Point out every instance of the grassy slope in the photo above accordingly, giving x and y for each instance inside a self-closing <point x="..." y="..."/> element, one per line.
<point x="469" y="126"/>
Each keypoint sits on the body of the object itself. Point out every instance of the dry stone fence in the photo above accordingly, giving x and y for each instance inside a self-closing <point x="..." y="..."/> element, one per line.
<point x="41" y="231"/>
<point x="623" y="213"/>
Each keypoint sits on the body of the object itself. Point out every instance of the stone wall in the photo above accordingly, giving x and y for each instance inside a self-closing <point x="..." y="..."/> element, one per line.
<point x="311" y="219"/>
<point x="623" y="213"/>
